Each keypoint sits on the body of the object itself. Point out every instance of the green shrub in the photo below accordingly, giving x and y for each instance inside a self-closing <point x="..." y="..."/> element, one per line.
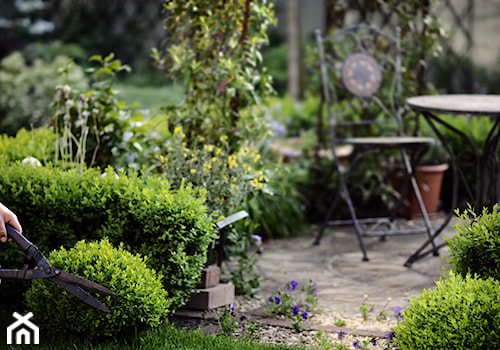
<point x="475" y="249"/>
<point x="296" y="116"/>
<point x="58" y="208"/>
<point x="461" y="313"/>
<point x="27" y="91"/>
<point x="276" y="211"/>
<point x="49" y="51"/>
<point x="38" y="143"/>
<point x="140" y="302"/>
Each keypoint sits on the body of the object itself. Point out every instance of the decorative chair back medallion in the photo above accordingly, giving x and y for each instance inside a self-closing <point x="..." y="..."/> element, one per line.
<point x="361" y="75"/>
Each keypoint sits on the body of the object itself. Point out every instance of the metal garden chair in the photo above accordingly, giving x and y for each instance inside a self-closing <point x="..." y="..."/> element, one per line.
<point x="361" y="79"/>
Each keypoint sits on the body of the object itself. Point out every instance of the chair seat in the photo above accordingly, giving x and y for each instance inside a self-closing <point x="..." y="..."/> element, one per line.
<point x="388" y="142"/>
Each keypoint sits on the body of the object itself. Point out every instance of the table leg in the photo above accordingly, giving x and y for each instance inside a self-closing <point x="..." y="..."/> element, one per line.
<point x="420" y="253"/>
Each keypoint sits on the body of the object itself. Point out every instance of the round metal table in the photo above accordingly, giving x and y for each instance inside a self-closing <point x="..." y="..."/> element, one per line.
<point x="487" y="189"/>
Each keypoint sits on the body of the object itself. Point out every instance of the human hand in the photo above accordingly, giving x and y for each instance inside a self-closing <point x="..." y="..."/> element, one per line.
<point x="7" y="217"/>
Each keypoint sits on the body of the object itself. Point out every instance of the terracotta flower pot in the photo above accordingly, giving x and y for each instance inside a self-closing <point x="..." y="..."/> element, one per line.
<point x="430" y="180"/>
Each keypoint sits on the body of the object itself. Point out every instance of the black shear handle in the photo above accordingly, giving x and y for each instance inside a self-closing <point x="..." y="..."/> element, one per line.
<point x="18" y="237"/>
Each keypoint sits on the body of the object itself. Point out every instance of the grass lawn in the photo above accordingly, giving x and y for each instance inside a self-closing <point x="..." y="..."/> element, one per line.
<point x="149" y="97"/>
<point x="165" y="337"/>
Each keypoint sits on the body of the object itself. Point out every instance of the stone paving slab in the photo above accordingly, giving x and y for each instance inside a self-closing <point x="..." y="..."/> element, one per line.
<point x="343" y="278"/>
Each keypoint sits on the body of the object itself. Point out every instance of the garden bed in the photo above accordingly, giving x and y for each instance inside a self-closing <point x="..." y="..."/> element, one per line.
<point x="320" y="331"/>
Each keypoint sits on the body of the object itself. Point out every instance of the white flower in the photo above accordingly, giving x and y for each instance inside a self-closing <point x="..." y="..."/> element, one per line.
<point x="31" y="161"/>
<point x="66" y="90"/>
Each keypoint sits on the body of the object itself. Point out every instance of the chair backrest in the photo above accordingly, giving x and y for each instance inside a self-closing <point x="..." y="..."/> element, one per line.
<point x="361" y="79"/>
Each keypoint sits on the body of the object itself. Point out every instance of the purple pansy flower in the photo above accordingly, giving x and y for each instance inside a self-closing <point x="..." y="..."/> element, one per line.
<point x="292" y="285"/>
<point x="315" y="288"/>
<point x="397" y="310"/>
<point x="296" y="310"/>
<point x="304" y="315"/>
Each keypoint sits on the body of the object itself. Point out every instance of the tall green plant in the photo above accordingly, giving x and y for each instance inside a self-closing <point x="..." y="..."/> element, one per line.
<point x="89" y="123"/>
<point x="213" y="51"/>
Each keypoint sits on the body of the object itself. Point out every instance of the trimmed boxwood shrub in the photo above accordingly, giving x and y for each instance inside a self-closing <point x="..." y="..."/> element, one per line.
<point x="141" y="300"/>
<point x="475" y="249"/>
<point x="60" y="207"/>
<point x="461" y="313"/>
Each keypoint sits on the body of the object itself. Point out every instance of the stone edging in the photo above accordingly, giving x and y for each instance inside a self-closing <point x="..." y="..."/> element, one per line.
<point x="257" y="314"/>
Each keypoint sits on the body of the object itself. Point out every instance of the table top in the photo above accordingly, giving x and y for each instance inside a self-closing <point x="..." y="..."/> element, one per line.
<point x="486" y="105"/>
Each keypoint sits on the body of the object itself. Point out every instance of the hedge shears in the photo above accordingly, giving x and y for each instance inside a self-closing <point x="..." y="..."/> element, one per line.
<point x="71" y="283"/>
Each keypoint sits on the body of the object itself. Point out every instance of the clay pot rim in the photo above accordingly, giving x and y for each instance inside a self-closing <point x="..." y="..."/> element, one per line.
<point x="433" y="168"/>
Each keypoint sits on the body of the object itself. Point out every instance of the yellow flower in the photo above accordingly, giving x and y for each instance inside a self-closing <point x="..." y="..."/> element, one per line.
<point x="208" y="148"/>
<point x="178" y="130"/>
<point x="214" y="159"/>
<point x="201" y="139"/>
<point x="193" y="171"/>
<point x="232" y="161"/>
<point x="256" y="185"/>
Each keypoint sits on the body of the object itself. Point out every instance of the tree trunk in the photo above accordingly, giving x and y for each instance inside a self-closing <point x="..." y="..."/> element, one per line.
<point x="294" y="38"/>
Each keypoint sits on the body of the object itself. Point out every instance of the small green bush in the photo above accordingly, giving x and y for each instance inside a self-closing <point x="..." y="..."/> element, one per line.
<point x="60" y="207"/>
<point x="461" y="313"/>
<point x="140" y="302"/>
<point x="38" y="143"/>
<point x="475" y="249"/>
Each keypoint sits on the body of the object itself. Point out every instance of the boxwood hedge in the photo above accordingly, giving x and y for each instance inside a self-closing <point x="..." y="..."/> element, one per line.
<point x="59" y="207"/>
<point x="140" y="300"/>
<point x="475" y="248"/>
<point x="460" y="313"/>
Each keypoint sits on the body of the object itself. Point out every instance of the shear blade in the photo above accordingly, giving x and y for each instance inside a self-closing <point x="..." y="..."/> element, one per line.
<point x="83" y="283"/>
<point x="81" y="294"/>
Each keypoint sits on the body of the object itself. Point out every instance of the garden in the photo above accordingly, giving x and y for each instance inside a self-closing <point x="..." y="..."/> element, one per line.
<point x="119" y="173"/>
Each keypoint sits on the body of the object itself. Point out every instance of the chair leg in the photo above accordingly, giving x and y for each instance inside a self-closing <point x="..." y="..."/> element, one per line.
<point x="418" y="196"/>
<point x="344" y="193"/>
<point x="357" y="227"/>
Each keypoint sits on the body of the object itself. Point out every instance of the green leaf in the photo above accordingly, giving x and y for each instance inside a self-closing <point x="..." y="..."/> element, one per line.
<point x="97" y="58"/>
<point x="109" y="57"/>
